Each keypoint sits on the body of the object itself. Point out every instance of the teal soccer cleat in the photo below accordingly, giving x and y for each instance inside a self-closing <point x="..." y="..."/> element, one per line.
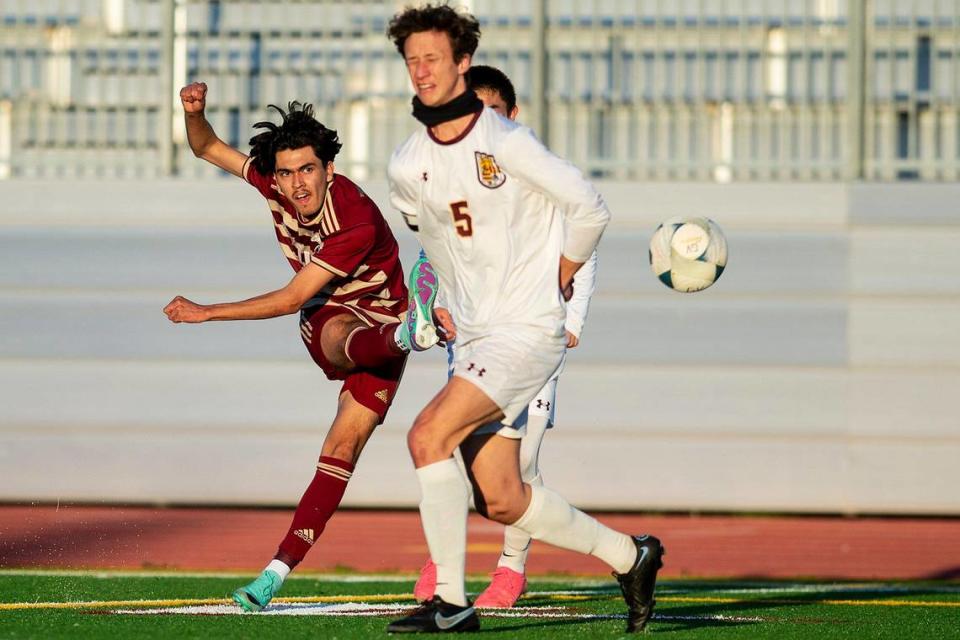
<point x="258" y="594"/>
<point x="417" y="332"/>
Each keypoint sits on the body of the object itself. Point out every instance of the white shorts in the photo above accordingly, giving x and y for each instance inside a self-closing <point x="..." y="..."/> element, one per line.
<point x="511" y="368"/>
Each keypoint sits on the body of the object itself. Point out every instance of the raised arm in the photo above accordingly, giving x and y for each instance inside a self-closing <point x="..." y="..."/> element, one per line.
<point x="202" y="138"/>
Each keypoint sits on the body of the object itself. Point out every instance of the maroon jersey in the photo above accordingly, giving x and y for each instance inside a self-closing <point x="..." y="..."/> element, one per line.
<point x="348" y="237"/>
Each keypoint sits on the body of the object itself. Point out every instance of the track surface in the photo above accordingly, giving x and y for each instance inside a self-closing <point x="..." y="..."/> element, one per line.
<point x="86" y="537"/>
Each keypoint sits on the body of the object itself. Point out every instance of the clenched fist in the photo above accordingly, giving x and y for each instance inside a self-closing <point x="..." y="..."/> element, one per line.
<point x="182" y="310"/>
<point x="194" y="97"/>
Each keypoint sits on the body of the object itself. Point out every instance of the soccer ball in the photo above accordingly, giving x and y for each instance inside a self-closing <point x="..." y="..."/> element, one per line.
<point x="688" y="254"/>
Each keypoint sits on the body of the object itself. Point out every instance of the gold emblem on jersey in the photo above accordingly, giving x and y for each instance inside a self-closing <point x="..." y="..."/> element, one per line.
<point x="488" y="171"/>
<point x="383" y="395"/>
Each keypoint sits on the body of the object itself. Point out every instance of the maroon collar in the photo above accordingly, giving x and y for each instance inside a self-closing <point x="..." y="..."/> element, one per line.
<point x="463" y="134"/>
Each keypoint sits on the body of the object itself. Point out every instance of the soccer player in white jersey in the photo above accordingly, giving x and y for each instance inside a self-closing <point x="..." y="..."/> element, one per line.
<point x="509" y="581"/>
<point x="506" y="225"/>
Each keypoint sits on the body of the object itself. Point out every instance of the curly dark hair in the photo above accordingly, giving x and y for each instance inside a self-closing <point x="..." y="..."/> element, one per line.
<point x="298" y="129"/>
<point x="461" y="27"/>
<point x="480" y="76"/>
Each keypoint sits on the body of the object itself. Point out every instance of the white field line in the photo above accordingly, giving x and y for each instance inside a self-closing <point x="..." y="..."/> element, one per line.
<point x="368" y="610"/>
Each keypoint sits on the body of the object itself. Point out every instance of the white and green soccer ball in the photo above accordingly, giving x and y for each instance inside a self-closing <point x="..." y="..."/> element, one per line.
<point x="688" y="254"/>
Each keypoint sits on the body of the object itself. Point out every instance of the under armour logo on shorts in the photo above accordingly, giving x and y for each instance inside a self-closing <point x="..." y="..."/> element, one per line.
<point x="473" y="366"/>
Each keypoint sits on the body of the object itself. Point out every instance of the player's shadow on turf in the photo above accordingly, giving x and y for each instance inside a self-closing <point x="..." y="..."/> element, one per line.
<point x="664" y="620"/>
<point x="541" y="624"/>
<point x="687" y="616"/>
<point x="589" y="594"/>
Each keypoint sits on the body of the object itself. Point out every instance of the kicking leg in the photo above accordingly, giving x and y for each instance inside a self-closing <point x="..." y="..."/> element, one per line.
<point x="349" y="433"/>
<point x="348" y="343"/>
<point x="374" y="346"/>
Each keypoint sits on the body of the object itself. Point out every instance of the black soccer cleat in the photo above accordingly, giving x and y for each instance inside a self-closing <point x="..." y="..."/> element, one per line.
<point x="637" y="585"/>
<point x="437" y="616"/>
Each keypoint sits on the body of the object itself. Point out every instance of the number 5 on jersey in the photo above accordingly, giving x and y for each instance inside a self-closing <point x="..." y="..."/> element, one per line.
<point x="461" y="218"/>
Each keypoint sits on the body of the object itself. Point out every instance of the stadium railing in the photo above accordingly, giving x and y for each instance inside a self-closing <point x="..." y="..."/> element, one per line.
<point x="646" y="90"/>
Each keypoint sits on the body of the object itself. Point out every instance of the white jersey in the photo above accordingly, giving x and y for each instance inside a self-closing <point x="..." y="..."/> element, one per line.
<point x="494" y="210"/>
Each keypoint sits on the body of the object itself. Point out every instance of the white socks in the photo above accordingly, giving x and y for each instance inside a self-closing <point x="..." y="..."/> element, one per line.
<point x="443" y="513"/>
<point x="516" y="542"/>
<point x="278" y="568"/>
<point x="551" y="518"/>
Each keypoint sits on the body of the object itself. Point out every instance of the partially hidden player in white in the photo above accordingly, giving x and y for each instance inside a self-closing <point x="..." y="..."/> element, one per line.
<point x="506" y="225"/>
<point x="509" y="581"/>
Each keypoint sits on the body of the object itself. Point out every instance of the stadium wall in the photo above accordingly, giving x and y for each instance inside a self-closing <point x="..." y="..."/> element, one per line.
<point x="819" y="375"/>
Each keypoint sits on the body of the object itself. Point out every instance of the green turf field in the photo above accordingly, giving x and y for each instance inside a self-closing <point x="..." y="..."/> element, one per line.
<point x="166" y="605"/>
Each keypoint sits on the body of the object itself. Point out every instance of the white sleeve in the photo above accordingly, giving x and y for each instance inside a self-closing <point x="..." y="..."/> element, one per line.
<point x="402" y="195"/>
<point x="585" y="213"/>
<point x="584" y="286"/>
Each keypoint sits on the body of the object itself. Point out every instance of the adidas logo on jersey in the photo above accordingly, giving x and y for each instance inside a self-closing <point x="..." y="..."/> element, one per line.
<point x="305" y="534"/>
<point x="383" y="395"/>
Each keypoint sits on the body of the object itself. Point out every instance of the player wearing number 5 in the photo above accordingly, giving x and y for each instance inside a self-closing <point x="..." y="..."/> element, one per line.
<point x="509" y="582"/>
<point x="506" y="225"/>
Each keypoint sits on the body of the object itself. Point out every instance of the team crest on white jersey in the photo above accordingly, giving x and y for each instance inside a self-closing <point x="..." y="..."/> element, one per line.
<point x="488" y="171"/>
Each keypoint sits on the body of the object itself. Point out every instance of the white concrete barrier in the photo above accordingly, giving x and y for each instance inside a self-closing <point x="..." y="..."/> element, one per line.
<point x="818" y="375"/>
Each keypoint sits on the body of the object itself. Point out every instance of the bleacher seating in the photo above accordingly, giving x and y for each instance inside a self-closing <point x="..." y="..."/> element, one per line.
<point x="610" y="64"/>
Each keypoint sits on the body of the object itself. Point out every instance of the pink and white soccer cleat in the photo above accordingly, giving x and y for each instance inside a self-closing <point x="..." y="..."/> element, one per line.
<point x="427" y="582"/>
<point x="505" y="589"/>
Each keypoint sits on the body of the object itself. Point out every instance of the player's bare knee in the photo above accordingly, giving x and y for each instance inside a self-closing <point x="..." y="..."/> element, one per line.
<point x="333" y="341"/>
<point x="500" y="502"/>
<point x="334" y="349"/>
<point x="426" y="443"/>
<point x="422" y="449"/>
<point x="505" y="509"/>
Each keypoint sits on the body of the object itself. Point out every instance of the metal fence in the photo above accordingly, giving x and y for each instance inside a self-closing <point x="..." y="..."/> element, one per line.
<point x="638" y="90"/>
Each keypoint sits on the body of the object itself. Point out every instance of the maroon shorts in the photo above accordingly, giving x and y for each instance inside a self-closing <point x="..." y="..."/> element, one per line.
<point x="373" y="388"/>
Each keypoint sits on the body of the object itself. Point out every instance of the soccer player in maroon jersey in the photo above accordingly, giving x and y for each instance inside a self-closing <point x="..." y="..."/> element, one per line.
<point x="348" y="288"/>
